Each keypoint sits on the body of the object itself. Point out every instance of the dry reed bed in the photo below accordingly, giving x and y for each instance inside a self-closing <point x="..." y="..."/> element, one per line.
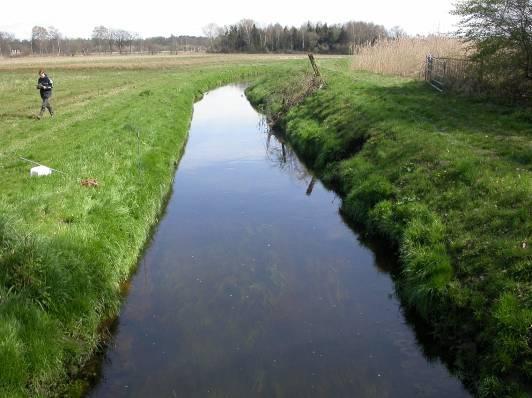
<point x="405" y="56"/>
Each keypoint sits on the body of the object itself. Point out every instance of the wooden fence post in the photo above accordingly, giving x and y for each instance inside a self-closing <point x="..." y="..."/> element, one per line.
<point x="314" y="66"/>
<point x="428" y="68"/>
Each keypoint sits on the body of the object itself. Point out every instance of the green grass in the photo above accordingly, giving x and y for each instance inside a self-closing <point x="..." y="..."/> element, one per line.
<point x="66" y="249"/>
<point x="448" y="180"/>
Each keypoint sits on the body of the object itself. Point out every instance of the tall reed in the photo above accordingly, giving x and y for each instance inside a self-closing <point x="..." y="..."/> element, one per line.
<point x="405" y="56"/>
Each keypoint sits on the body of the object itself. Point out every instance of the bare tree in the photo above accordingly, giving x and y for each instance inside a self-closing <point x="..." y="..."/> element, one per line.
<point x="362" y="33"/>
<point x="99" y="36"/>
<point x="122" y="38"/>
<point x="55" y="38"/>
<point x="127" y="38"/>
<point x="247" y="27"/>
<point x="39" y="37"/>
<point x="212" y="31"/>
<point x="397" y="32"/>
<point x="134" y="37"/>
<point x="6" y="39"/>
<point x="303" y="31"/>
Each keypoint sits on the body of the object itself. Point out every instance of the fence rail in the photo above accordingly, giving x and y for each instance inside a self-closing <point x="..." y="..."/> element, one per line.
<point x="444" y="73"/>
<point x="477" y="78"/>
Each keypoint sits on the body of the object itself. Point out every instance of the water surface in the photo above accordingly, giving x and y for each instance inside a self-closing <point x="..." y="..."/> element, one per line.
<point x="254" y="286"/>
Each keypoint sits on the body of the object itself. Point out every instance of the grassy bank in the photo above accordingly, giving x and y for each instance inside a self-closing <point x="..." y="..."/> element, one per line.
<point x="65" y="249"/>
<point x="448" y="181"/>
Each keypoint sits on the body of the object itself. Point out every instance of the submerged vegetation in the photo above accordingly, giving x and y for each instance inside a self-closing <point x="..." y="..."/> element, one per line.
<point x="448" y="181"/>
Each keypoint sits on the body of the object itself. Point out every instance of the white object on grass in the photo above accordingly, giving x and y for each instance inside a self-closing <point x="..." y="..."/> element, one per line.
<point x="40" y="171"/>
<point x="38" y="164"/>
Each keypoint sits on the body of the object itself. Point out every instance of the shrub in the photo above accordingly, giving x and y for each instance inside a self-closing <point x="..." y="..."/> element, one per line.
<point x="501" y="33"/>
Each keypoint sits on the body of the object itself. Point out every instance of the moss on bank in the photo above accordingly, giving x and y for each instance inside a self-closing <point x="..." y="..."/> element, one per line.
<point x="448" y="181"/>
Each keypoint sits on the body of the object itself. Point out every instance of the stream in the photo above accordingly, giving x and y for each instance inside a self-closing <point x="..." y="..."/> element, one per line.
<point x="253" y="285"/>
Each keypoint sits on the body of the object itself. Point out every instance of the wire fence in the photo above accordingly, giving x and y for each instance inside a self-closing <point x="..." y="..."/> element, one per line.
<point x="453" y="73"/>
<point x="478" y="78"/>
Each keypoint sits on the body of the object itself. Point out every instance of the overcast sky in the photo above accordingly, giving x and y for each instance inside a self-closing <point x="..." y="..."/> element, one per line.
<point x="74" y="18"/>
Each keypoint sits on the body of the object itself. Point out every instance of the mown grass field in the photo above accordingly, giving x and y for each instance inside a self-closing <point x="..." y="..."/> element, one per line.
<point x="448" y="181"/>
<point x="66" y="249"/>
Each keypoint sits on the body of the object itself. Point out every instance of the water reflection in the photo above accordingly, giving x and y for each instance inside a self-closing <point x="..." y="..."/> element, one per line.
<point x="281" y="155"/>
<point x="254" y="287"/>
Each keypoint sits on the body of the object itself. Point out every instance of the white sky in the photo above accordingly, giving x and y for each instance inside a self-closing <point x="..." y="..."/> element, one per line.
<point x="74" y="18"/>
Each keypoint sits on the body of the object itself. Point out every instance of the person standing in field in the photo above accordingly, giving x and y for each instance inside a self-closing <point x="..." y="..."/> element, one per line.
<point x="45" y="85"/>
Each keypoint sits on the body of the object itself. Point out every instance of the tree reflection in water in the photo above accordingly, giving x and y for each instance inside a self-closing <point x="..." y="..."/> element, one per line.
<point x="284" y="157"/>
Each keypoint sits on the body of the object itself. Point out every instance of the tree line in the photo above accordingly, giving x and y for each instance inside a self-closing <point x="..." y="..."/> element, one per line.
<point x="50" y="41"/>
<point x="248" y="36"/>
<point x="244" y="36"/>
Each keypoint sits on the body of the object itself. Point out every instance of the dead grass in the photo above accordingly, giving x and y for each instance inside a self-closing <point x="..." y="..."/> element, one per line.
<point x="136" y="62"/>
<point x="405" y="56"/>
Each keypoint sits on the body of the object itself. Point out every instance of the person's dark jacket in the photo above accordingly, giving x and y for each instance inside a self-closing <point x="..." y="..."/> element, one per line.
<point x="45" y="85"/>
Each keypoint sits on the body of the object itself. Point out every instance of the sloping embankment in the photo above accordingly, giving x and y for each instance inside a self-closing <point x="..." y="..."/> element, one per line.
<point x="448" y="181"/>
<point x="66" y="250"/>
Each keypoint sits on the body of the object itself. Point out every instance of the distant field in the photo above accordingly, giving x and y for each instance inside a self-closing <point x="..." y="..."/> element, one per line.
<point x="144" y="61"/>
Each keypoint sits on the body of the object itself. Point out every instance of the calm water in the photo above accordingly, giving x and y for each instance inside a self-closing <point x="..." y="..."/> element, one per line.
<point x="253" y="285"/>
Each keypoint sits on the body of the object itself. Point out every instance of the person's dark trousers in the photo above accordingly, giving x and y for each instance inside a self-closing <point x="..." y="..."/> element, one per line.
<point x="46" y="105"/>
